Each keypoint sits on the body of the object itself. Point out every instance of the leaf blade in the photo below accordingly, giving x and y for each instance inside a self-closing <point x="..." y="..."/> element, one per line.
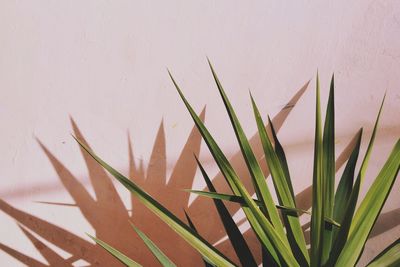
<point x="390" y="257"/>
<point x="328" y="169"/>
<point x="263" y="228"/>
<point x="370" y="208"/>
<point x="116" y="253"/>
<point x="317" y="215"/>
<point x="344" y="231"/>
<point x="343" y="192"/>
<point x="161" y="257"/>
<point x="235" y="236"/>
<point x="203" y="247"/>
<point x="240" y="200"/>
<point x="282" y="159"/>
<point x="256" y="173"/>
<point x="284" y="192"/>
<point x="191" y="224"/>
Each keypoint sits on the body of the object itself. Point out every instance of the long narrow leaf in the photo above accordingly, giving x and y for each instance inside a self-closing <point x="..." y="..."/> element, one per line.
<point x="328" y="169"/>
<point x="161" y="257"/>
<point x="390" y="257"/>
<point x="240" y="200"/>
<point x="282" y="159"/>
<point x="317" y="216"/>
<point x="236" y="238"/>
<point x="199" y="243"/>
<point x="284" y="192"/>
<point x="117" y="254"/>
<point x="191" y="224"/>
<point x="370" y="208"/>
<point x="345" y="186"/>
<point x="260" y="224"/>
<point x="267" y="227"/>
<point x="255" y="171"/>
<point x="344" y="230"/>
<point x="259" y="182"/>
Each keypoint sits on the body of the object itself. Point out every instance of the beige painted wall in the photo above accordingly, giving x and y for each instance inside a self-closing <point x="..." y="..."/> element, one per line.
<point x="104" y="63"/>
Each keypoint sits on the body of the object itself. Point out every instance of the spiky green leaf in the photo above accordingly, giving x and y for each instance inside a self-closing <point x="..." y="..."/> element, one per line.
<point x="317" y="216"/>
<point x="283" y="191"/>
<point x="370" y="208"/>
<point x="265" y="231"/>
<point x="240" y="200"/>
<point x="282" y="158"/>
<point x="390" y="257"/>
<point x="328" y="169"/>
<point x="345" y="186"/>
<point x="196" y="241"/>
<point x="191" y="224"/>
<point x="343" y="233"/>
<point x="236" y="238"/>
<point x="161" y="257"/>
<point x="116" y="253"/>
<point x="259" y="182"/>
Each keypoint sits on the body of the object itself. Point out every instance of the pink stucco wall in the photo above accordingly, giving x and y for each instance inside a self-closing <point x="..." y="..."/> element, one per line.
<point x="104" y="63"/>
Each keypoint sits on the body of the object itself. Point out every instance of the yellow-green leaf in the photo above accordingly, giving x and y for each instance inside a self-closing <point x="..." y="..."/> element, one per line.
<point x="390" y="257"/>
<point x="369" y="210"/>
<point x="284" y="193"/>
<point x="317" y="216"/>
<point x="265" y="231"/>
<point x="161" y="257"/>
<point x="116" y="253"/>
<point x="235" y="236"/>
<point x="196" y="241"/>
<point x="328" y="169"/>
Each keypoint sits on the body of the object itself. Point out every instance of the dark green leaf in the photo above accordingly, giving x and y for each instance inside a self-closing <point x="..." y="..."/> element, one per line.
<point x="282" y="158"/>
<point x="342" y="236"/>
<point x="345" y="186"/>
<point x="317" y="216"/>
<point x="259" y="182"/>
<point x="235" y="236"/>
<point x="265" y="231"/>
<point x="240" y="200"/>
<point x="284" y="193"/>
<point x="191" y="224"/>
<point x="328" y="169"/>
<point x="369" y="210"/>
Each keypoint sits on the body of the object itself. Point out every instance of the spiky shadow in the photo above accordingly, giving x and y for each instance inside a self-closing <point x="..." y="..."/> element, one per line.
<point x="107" y="214"/>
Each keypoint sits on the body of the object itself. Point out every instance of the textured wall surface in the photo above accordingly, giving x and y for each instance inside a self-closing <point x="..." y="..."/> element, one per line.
<point x="104" y="64"/>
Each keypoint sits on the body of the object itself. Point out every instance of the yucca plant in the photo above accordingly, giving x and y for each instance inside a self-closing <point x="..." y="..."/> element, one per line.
<point x="339" y="230"/>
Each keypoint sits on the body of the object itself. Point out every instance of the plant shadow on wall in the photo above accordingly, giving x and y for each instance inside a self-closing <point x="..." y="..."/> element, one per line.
<point x="110" y="218"/>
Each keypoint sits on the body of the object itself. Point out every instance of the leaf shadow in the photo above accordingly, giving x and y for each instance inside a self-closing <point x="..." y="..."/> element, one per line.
<point x="109" y="217"/>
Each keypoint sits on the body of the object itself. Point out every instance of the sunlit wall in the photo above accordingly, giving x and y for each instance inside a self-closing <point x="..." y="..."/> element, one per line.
<point x="104" y="63"/>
